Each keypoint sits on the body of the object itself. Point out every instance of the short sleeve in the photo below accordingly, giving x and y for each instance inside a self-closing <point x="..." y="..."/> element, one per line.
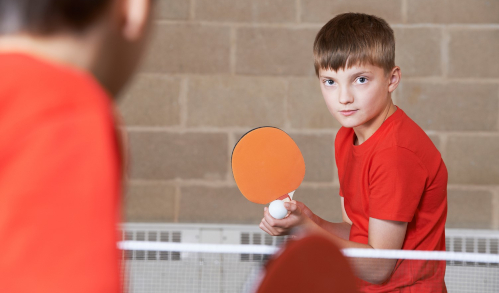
<point x="397" y="180"/>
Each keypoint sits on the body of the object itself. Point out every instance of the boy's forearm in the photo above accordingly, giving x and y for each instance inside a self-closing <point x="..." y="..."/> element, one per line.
<point x="342" y="230"/>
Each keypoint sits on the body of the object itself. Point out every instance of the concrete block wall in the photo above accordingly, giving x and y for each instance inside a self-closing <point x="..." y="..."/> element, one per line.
<point x="218" y="68"/>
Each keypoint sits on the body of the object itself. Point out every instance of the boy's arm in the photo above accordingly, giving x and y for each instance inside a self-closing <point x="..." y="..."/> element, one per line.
<point x="342" y="229"/>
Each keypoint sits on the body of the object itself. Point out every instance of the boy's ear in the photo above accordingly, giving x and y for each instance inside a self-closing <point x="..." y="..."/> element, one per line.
<point x="394" y="79"/>
<point x="135" y="15"/>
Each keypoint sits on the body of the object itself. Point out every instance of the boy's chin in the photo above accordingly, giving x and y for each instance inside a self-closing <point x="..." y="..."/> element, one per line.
<point x="347" y="124"/>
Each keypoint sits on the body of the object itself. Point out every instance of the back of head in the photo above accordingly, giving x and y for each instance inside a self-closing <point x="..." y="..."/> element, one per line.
<point x="350" y="39"/>
<point x="104" y="37"/>
<point x="44" y="17"/>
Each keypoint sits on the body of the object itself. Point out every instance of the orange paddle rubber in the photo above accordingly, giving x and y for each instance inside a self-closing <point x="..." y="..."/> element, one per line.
<point x="267" y="165"/>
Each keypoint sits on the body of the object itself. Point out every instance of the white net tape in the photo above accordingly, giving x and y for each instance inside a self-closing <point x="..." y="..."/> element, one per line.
<point x="189" y="267"/>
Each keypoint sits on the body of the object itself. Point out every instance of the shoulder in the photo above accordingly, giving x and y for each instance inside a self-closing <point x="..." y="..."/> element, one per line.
<point x="408" y="133"/>
<point x="396" y="157"/>
<point x="405" y="137"/>
<point x="41" y="99"/>
<point x="35" y="88"/>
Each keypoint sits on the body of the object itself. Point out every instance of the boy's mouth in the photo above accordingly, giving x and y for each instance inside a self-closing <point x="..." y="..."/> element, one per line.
<point x="348" y="112"/>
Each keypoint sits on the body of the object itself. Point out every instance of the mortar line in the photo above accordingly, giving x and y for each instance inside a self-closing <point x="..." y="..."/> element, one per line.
<point x="446" y="80"/>
<point x="183" y="102"/>
<point x="404" y="11"/>
<point x="298" y="10"/>
<point x="318" y="25"/>
<point x="458" y="26"/>
<point x="472" y="133"/>
<point x="318" y="184"/>
<point x="443" y="145"/>
<point x="287" y="119"/>
<point x="233" y="50"/>
<point x="192" y="10"/>
<point x="444" y="52"/>
<point x="468" y="187"/>
<point x="231" y="141"/>
<point x="220" y="130"/>
<point x="498" y="110"/>
<point x="179" y="183"/>
<point x="292" y="25"/>
<point x="176" y="204"/>
<point x="310" y="131"/>
<point x="171" y="183"/>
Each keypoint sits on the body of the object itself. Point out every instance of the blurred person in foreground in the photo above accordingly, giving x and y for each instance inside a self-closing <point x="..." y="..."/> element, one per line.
<point x="61" y="62"/>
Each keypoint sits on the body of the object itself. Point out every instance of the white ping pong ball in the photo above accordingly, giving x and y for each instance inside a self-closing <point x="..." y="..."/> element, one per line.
<point x="277" y="209"/>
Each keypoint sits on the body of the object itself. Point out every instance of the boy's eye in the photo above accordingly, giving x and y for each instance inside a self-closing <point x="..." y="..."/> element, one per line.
<point x="329" y="82"/>
<point x="362" y="80"/>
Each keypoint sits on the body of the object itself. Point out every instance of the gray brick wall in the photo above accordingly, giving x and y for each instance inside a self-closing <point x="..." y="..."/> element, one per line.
<point x="217" y="68"/>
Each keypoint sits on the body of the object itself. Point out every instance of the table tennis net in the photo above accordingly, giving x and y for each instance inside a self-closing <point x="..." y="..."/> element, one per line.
<point x="156" y="266"/>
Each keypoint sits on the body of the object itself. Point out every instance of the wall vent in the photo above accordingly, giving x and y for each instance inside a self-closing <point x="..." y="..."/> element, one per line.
<point x="257" y="238"/>
<point x="154" y="236"/>
<point x="473" y="241"/>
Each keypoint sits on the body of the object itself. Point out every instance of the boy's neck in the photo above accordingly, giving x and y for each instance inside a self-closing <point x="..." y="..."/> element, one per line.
<point x="365" y="131"/>
<point x="79" y="52"/>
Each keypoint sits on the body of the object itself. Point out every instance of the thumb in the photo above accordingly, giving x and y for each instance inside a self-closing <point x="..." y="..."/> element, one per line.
<point x="290" y="206"/>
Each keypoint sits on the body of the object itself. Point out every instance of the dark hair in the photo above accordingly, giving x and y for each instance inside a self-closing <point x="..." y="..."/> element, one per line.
<point x="43" y="17"/>
<point x="354" y="38"/>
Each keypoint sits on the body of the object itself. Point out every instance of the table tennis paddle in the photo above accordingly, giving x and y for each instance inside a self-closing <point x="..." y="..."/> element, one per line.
<point x="268" y="167"/>
<point x="311" y="264"/>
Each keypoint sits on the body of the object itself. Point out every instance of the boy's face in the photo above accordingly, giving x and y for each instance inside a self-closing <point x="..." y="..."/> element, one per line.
<point x="357" y="96"/>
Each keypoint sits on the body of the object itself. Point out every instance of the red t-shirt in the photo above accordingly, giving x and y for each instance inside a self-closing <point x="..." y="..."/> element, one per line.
<point x="59" y="180"/>
<point x="397" y="174"/>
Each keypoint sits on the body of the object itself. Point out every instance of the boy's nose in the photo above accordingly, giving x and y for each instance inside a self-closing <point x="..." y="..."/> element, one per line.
<point x="345" y="97"/>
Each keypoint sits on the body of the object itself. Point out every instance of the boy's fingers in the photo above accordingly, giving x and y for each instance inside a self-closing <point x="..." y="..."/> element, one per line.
<point x="266" y="224"/>
<point x="263" y="226"/>
<point x="269" y="229"/>
<point x="290" y="206"/>
<point x="265" y="229"/>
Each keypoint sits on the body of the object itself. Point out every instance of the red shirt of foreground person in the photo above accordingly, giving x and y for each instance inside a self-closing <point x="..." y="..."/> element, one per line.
<point x="60" y="164"/>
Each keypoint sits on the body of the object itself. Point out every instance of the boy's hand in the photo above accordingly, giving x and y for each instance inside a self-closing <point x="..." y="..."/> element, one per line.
<point x="299" y="216"/>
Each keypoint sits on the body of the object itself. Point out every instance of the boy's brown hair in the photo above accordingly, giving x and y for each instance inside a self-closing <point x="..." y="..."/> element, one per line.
<point x="351" y="39"/>
<point x="44" y="17"/>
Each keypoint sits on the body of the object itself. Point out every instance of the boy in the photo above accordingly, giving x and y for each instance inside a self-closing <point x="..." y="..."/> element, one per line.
<point x="393" y="182"/>
<point x="60" y="177"/>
